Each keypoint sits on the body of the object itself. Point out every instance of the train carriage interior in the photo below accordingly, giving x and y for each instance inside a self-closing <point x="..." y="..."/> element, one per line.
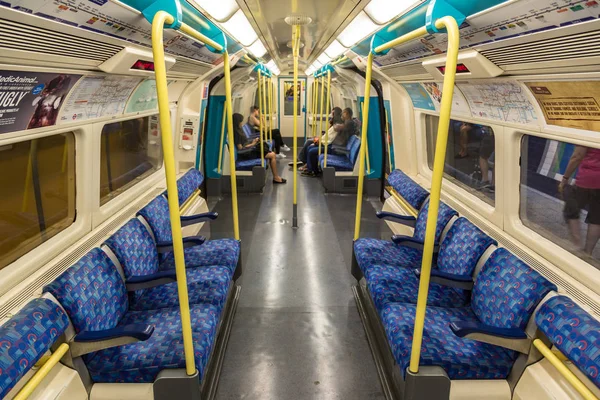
<point x="300" y="199"/>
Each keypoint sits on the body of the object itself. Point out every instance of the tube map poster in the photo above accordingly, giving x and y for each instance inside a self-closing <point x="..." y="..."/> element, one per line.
<point x="30" y="100"/>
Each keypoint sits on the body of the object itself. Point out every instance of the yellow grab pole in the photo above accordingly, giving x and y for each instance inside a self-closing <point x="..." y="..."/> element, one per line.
<point x="39" y="376"/>
<point x="389" y="146"/>
<point x="160" y="72"/>
<point x="260" y="117"/>
<point x="315" y="97"/>
<point x="564" y="371"/>
<point x="234" y="198"/>
<point x="327" y="130"/>
<point x="185" y="28"/>
<point x="220" y="169"/>
<point x="341" y="60"/>
<point x="363" y="148"/>
<point x="417" y="33"/>
<point x="296" y="39"/>
<point x="266" y="110"/>
<point x="366" y="143"/>
<point x="321" y="113"/>
<point x="271" y="110"/>
<point x="436" y="185"/>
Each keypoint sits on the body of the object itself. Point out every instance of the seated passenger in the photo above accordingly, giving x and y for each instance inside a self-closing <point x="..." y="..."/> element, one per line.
<point x="250" y="150"/>
<point x="303" y="154"/>
<point x="255" y="120"/>
<point x="336" y="125"/>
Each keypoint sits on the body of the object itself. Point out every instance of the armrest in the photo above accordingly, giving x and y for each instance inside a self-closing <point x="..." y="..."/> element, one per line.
<point x="401" y="219"/>
<point x="165" y="247"/>
<point x="91" y="341"/>
<point x="149" y="281"/>
<point x="464" y="282"/>
<point x="409" y="241"/>
<point x="198" y="218"/>
<point x="510" y="338"/>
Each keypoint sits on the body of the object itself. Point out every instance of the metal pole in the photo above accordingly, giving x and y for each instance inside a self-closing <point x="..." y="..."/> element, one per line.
<point x="326" y="129"/>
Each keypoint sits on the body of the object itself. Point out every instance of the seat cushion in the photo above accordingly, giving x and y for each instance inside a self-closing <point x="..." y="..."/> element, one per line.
<point x="413" y="193"/>
<point x="225" y="252"/>
<point x="247" y="165"/>
<point x="389" y="284"/>
<point x="188" y="184"/>
<point x="338" y="162"/>
<point x="142" y="361"/>
<point x="444" y="216"/>
<point x="205" y="285"/>
<point x="460" y="358"/>
<point x="26" y="337"/>
<point x="370" y="252"/>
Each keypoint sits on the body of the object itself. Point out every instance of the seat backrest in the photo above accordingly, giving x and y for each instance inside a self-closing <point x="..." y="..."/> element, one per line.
<point x="462" y="247"/>
<point x="188" y="184"/>
<point x="25" y="337"/>
<point x="444" y="216"/>
<point x="574" y="332"/>
<point x="353" y="148"/>
<point x="92" y="293"/>
<point x="134" y="247"/>
<point x="156" y="213"/>
<point x="411" y="191"/>
<point x="507" y="291"/>
<point x="248" y="130"/>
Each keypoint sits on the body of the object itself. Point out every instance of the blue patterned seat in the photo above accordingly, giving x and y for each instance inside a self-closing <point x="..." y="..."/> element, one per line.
<point x="505" y="295"/>
<point x="225" y="252"/>
<point x="412" y="192"/>
<point x="134" y="247"/>
<point x="574" y="332"/>
<point x="187" y="185"/>
<point x="95" y="299"/>
<point x="247" y="165"/>
<point x="370" y="252"/>
<point x="343" y="162"/>
<point x="25" y="337"/>
<point x="459" y="253"/>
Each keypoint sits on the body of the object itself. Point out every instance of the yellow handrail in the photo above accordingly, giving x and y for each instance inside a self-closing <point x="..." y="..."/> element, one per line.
<point x="315" y="99"/>
<point x="387" y="130"/>
<point x="260" y="119"/>
<point x="39" y="376"/>
<point x="270" y="110"/>
<point x="321" y="113"/>
<point x="341" y="60"/>
<point x="327" y="130"/>
<point x="220" y="168"/>
<point x="264" y="93"/>
<point x="366" y="142"/>
<point x="564" y="371"/>
<point x="296" y="51"/>
<point x="405" y="205"/>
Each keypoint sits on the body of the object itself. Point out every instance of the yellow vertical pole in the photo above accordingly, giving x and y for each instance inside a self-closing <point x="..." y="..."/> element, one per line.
<point x="220" y="168"/>
<point x="295" y="51"/>
<point x="326" y="128"/>
<point x="321" y="113"/>
<point x="436" y="185"/>
<point x="160" y="72"/>
<point x="366" y="142"/>
<point x="234" y="197"/>
<point x="271" y="110"/>
<point x="315" y="97"/>
<point x="363" y="148"/>
<point x="389" y="148"/>
<point x="266" y="110"/>
<point x="39" y="376"/>
<point x="260" y="116"/>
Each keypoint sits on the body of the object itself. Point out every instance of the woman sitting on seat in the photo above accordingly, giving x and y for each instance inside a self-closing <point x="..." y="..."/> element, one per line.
<point x="250" y="150"/>
<point x="336" y="113"/>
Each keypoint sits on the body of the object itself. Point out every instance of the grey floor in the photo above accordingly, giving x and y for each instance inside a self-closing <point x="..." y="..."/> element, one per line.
<point x="297" y="333"/>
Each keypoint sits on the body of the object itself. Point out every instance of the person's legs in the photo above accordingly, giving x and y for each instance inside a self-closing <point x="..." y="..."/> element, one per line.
<point x="273" y="164"/>
<point x="313" y="160"/>
<point x="593" y="220"/>
<point x="571" y="212"/>
<point x="304" y="152"/>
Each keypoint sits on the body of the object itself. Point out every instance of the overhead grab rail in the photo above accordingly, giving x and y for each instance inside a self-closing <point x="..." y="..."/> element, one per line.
<point x="39" y="376"/>
<point x="167" y="14"/>
<point x="440" y="16"/>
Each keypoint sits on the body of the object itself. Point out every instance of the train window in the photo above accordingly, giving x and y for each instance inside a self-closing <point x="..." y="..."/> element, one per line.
<point x="130" y="151"/>
<point x="288" y="105"/>
<point x="470" y="157"/>
<point x="567" y="212"/>
<point x="38" y="194"/>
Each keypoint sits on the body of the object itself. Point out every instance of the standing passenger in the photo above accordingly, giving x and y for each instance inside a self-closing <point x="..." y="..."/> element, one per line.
<point x="585" y="193"/>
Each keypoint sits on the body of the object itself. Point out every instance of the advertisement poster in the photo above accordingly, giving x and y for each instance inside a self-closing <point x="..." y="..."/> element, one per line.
<point x="31" y="100"/>
<point x="144" y="98"/>
<point x="459" y="103"/>
<point x="574" y="104"/>
<point x="419" y="96"/>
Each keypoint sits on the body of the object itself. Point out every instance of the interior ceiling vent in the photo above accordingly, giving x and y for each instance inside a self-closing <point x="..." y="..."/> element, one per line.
<point x="186" y="67"/>
<point x="18" y="36"/>
<point x="409" y="71"/>
<point x="581" y="45"/>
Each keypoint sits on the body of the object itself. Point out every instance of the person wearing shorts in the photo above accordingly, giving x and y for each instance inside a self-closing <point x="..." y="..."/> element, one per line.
<point x="585" y="193"/>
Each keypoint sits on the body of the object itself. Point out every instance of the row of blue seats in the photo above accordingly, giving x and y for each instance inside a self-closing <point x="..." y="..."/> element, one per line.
<point x="121" y="301"/>
<point x="481" y="315"/>
<point x="343" y="160"/>
<point x="247" y="165"/>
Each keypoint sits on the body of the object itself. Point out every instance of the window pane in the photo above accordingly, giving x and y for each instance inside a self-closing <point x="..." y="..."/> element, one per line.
<point x="130" y="152"/>
<point x="470" y="156"/>
<point x="288" y="108"/>
<point x="38" y="193"/>
<point x="570" y="219"/>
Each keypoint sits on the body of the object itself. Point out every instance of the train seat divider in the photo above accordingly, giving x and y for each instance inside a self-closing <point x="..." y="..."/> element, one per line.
<point x="117" y="344"/>
<point x="187" y="185"/>
<point x="402" y="251"/>
<point x="151" y="287"/>
<point x="451" y="278"/>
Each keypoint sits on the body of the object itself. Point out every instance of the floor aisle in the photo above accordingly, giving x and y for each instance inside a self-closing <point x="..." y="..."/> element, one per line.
<point x="297" y="333"/>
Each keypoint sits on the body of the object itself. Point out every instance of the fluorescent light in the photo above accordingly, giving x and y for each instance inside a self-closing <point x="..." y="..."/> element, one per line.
<point x="361" y="27"/>
<point x="317" y="64"/>
<point x="220" y="10"/>
<point x="239" y="27"/>
<point x="257" y="49"/>
<point x="383" y="11"/>
<point x="335" y="49"/>
<point x="323" y="59"/>
<point x="271" y="64"/>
